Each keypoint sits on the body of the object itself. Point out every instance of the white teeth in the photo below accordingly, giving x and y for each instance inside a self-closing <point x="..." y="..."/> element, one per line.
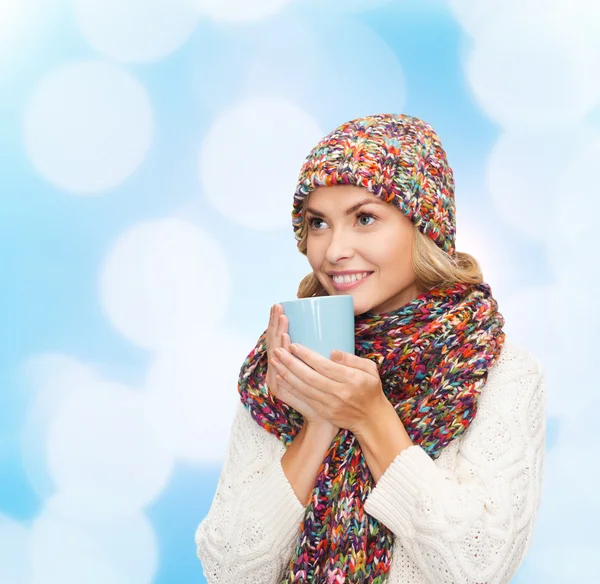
<point x="348" y="279"/>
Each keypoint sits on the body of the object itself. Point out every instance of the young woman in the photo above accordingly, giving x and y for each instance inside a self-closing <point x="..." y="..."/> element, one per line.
<point x="416" y="460"/>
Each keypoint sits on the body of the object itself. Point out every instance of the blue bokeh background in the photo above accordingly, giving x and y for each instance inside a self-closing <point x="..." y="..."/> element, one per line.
<point x="148" y="154"/>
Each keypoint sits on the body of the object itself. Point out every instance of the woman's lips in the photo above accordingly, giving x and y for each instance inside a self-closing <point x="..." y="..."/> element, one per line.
<point x="341" y="286"/>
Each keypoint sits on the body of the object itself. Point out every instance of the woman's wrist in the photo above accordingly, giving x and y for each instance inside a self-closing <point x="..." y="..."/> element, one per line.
<point x="325" y="429"/>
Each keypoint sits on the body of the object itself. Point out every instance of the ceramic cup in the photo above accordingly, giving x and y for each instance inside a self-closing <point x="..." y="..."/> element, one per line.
<point x="322" y="323"/>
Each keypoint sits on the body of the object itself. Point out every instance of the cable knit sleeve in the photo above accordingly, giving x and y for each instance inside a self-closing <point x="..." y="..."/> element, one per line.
<point x="248" y="534"/>
<point x="470" y="519"/>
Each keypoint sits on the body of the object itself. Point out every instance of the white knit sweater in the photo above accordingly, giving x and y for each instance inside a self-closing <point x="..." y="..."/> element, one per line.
<point x="467" y="517"/>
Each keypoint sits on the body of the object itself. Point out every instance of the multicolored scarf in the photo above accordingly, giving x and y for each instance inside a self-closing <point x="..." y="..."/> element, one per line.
<point x="433" y="355"/>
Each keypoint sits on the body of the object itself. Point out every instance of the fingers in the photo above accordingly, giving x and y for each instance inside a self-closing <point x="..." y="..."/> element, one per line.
<point x="272" y="338"/>
<point x="270" y="328"/>
<point x="299" y="375"/>
<point x="277" y="326"/>
<point x="280" y="326"/>
<point x="289" y="380"/>
<point x="321" y="364"/>
<point x="298" y="399"/>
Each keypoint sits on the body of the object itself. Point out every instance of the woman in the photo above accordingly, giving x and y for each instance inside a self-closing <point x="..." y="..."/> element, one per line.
<point x="419" y="458"/>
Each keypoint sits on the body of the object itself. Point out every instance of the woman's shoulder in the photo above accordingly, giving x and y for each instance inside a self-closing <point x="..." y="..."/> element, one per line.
<point x="515" y="360"/>
<point x="515" y="384"/>
<point x="511" y="406"/>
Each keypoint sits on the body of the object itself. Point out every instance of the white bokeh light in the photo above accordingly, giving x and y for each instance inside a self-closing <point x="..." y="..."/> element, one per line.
<point x="566" y="526"/>
<point x="479" y="237"/>
<point x="518" y="176"/>
<point x="341" y="6"/>
<point x="251" y="157"/>
<point x="479" y="18"/>
<point x="163" y="282"/>
<point x="302" y="60"/>
<point x="548" y="317"/>
<point x="9" y="11"/>
<point x="104" y="456"/>
<point x="567" y="561"/>
<point x="67" y="552"/>
<point x="578" y="206"/>
<point x="192" y="394"/>
<point x="240" y="10"/>
<point x="51" y="377"/>
<point x="50" y="373"/>
<point x="526" y="80"/>
<point x="88" y="126"/>
<point x="15" y="565"/>
<point x="567" y="517"/>
<point x="576" y="443"/>
<point x="575" y="20"/>
<point x="15" y="18"/>
<point x="136" y="30"/>
<point x="572" y="247"/>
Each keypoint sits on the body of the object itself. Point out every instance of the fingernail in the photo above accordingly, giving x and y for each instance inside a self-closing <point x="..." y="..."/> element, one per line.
<point x="278" y="352"/>
<point x="293" y="348"/>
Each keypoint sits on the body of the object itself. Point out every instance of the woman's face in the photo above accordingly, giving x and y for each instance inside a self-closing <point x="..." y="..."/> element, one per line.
<point x="376" y="237"/>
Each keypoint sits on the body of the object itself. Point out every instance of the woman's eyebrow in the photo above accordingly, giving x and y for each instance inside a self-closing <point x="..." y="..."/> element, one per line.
<point x="351" y="209"/>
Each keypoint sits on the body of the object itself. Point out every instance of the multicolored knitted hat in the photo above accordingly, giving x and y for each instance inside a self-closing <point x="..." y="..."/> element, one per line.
<point x="396" y="157"/>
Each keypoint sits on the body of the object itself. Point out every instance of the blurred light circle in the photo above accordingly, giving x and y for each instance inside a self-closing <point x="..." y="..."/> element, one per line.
<point x="578" y="208"/>
<point x="15" y="556"/>
<point x="71" y="552"/>
<point x="300" y="59"/>
<point x="51" y="377"/>
<point x="480" y="18"/>
<point x="345" y="6"/>
<point x="572" y="247"/>
<point x="522" y="172"/>
<point x="250" y="160"/>
<point x="524" y="79"/>
<point x="88" y="126"/>
<point x="136" y="30"/>
<point x="192" y="394"/>
<point x="163" y="282"/>
<point x="576" y="442"/>
<point x="240" y="10"/>
<point x="104" y="453"/>
<point x="545" y="319"/>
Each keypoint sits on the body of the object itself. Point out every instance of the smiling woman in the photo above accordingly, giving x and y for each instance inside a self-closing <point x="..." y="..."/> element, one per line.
<point x="339" y="241"/>
<point x="415" y="460"/>
<point x="431" y="266"/>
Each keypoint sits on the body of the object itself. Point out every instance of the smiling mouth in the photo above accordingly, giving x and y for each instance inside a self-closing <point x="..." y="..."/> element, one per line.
<point x="347" y="285"/>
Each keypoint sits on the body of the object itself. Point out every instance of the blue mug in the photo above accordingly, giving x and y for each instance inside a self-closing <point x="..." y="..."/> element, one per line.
<point x="322" y="323"/>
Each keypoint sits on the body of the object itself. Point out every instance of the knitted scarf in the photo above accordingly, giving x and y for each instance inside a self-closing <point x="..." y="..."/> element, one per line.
<point x="433" y="355"/>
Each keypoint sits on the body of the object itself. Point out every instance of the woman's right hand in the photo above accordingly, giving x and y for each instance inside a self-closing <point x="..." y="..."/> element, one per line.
<point x="277" y="336"/>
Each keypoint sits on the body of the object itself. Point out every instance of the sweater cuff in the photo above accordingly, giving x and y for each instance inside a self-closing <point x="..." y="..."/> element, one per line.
<point x="394" y="497"/>
<point x="277" y="505"/>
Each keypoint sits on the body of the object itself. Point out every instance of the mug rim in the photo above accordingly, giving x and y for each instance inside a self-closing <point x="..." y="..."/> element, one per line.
<point x="314" y="298"/>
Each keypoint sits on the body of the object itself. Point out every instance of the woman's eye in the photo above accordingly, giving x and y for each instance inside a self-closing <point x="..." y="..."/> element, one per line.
<point x="365" y="215"/>
<point x="359" y="216"/>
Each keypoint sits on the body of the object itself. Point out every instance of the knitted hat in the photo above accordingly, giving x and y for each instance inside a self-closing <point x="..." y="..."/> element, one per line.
<point x="396" y="157"/>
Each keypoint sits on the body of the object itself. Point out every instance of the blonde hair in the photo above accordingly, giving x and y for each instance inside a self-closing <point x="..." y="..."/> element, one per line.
<point x="432" y="265"/>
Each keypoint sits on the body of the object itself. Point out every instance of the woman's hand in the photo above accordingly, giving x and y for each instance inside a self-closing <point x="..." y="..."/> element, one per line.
<point x="278" y="338"/>
<point x="346" y="389"/>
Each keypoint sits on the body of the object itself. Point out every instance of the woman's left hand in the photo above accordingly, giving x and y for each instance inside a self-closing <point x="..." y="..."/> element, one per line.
<point x="346" y="390"/>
